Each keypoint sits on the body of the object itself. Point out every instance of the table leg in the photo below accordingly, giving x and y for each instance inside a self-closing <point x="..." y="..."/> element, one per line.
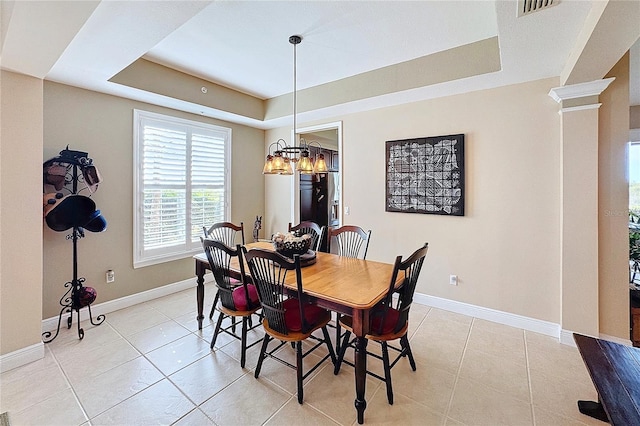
<point x="360" y="329"/>
<point x="361" y="377"/>
<point x="593" y="409"/>
<point x="200" y="292"/>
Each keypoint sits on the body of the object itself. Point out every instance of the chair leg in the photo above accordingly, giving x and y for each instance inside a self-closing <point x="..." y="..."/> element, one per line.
<point x="217" y="330"/>
<point x="243" y="342"/>
<point x="404" y="342"/>
<point x="299" y="369"/>
<point x="263" y="351"/>
<point x="338" y="332"/>
<point x="387" y="372"/>
<point x="213" y="307"/>
<point x="343" y="349"/>
<point x="327" y="340"/>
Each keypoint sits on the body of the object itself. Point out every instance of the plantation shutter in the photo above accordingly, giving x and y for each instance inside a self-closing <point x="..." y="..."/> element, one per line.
<point x="181" y="185"/>
<point x="207" y="182"/>
<point x="165" y="186"/>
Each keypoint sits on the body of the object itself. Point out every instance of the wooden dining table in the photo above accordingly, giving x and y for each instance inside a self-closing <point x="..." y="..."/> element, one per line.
<point x="349" y="286"/>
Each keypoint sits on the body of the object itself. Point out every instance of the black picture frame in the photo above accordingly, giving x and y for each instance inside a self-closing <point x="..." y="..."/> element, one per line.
<point x="425" y="175"/>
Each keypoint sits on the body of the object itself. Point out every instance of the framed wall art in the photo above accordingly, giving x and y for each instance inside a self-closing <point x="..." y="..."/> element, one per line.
<point x="425" y="175"/>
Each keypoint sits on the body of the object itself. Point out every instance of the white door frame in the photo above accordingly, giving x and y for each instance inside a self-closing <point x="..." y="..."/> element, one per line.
<point x="295" y="190"/>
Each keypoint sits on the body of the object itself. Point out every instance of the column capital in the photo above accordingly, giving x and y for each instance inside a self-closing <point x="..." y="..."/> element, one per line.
<point x="580" y="90"/>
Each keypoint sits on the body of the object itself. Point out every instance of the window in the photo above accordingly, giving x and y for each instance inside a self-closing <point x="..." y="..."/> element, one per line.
<point x="181" y="183"/>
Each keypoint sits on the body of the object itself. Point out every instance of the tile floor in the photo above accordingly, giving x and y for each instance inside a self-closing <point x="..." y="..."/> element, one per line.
<point x="149" y="364"/>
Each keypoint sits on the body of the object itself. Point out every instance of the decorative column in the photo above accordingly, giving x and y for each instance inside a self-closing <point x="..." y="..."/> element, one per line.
<point x="579" y="206"/>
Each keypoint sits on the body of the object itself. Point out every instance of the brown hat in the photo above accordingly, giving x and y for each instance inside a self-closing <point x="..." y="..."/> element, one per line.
<point x="91" y="177"/>
<point x="55" y="175"/>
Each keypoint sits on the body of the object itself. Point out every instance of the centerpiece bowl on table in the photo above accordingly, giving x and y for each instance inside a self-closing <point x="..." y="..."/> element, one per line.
<point x="289" y="244"/>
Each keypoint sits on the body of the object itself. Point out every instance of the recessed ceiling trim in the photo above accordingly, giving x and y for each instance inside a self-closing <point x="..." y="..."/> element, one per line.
<point x="465" y="61"/>
<point x="155" y="78"/>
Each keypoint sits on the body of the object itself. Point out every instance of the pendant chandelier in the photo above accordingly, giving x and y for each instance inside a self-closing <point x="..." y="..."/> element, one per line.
<point x="280" y="162"/>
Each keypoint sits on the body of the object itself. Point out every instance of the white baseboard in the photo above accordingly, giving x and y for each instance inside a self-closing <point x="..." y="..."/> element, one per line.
<point x="21" y="357"/>
<point x="614" y="339"/>
<point x="127" y="301"/>
<point x="35" y="352"/>
<point x="566" y="337"/>
<point x="530" y="324"/>
<point x="506" y="318"/>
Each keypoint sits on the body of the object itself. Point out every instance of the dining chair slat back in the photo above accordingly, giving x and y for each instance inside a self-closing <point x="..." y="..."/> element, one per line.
<point x="237" y="297"/>
<point x="269" y="271"/>
<point x="411" y="268"/>
<point x="219" y="256"/>
<point x="307" y="227"/>
<point x="225" y="232"/>
<point x="350" y="241"/>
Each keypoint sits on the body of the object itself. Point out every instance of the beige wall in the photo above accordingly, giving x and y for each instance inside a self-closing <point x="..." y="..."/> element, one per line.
<point x="277" y="193"/>
<point x="102" y="125"/>
<point x="634" y="117"/>
<point x="505" y="249"/>
<point x="579" y="218"/>
<point x="20" y="212"/>
<point x="613" y="200"/>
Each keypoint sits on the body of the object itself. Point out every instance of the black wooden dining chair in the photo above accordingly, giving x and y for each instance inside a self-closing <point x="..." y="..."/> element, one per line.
<point x="307" y="227"/>
<point x="227" y="233"/>
<point x="235" y="300"/>
<point x="287" y="319"/>
<point x="389" y="322"/>
<point x="349" y="241"/>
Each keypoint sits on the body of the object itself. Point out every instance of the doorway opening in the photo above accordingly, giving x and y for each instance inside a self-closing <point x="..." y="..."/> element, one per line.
<point x="634" y="240"/>
<point x="634" y="214"/>
<point x="318" y="197"/>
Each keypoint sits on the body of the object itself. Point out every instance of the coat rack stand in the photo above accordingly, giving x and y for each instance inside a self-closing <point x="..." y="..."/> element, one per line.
<point x="74" y="298"/>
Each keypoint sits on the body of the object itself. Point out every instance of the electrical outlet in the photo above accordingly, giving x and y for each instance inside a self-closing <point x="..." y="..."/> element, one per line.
<point x="453" y="279"/>
<point x="111" y="276"/>
<point x="347" y="211"/>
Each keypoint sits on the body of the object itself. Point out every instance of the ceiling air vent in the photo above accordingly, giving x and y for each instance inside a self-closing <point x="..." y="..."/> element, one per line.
<point x="526" y="7"/>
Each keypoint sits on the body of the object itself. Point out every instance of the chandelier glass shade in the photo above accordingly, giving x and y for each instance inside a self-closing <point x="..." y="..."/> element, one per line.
<point x="280" y="161"/>
<point x="281" y="155"/>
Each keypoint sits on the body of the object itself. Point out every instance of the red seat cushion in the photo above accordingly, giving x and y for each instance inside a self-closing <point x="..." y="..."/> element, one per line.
<point x="233" y="281"/>
<point x="240" y="299"/>
<point x="389" y="323"/>
<point x="312" y="314"/>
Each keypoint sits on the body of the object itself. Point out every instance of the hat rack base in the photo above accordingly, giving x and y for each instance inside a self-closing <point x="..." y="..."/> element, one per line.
<point x="71" y="300"/>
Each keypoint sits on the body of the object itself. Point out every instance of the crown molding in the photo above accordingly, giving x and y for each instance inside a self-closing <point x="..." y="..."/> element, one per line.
<point x="580" y="90"/>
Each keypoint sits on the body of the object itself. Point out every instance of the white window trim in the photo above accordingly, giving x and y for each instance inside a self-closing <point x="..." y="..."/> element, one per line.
<point x="139" y="260"/>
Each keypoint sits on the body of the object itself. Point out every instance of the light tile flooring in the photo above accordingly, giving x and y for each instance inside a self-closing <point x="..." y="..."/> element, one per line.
<point x="149" y="364"/>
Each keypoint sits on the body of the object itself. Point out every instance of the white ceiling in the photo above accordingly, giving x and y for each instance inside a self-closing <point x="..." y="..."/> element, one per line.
<point x="244" y="44"/>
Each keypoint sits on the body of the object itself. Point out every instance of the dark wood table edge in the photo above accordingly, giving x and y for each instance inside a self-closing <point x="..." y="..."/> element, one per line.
<point x="603" y="360"/>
